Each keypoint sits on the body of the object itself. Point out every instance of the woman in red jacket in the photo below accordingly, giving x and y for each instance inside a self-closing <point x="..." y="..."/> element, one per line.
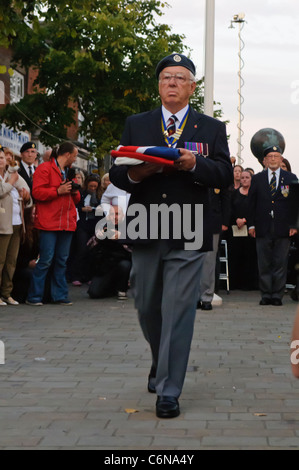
<point x="56" y="218"/>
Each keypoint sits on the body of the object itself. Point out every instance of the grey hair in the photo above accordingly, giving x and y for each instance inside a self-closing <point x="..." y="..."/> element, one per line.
<point x="192" y="77"/>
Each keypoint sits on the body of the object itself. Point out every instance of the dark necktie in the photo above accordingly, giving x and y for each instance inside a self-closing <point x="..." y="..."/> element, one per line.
<point x="30" y="172"/>
<point x="273" y="184"/>
<point x="171" y="128"/>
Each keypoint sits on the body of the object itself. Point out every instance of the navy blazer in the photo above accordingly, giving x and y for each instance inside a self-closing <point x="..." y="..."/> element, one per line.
<point x="178" y="187"/>
<point x="262" y="206"/>
<point x="25" y="176"/>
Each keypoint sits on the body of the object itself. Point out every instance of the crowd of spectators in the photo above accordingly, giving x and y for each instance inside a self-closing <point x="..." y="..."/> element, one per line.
<point x="101" y="266"/>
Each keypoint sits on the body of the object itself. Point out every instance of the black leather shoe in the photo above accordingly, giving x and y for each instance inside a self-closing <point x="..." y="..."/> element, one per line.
<point x="276" y="302"/>
<point x="206" y="306"/>
<point x="167" y="407"/>
<point x="198" y="305"/>
<point x="265" y="301"/>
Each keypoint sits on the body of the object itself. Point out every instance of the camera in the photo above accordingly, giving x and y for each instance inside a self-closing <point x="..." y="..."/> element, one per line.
<point x="71" y="174"/>
<point x="75" y="186"/>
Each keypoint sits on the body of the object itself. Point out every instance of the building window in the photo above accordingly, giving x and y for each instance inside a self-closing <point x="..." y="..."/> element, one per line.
<point x="16" y="87"/>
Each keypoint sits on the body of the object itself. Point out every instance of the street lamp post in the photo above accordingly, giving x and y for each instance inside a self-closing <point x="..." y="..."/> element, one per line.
<point x="239" y="18"/>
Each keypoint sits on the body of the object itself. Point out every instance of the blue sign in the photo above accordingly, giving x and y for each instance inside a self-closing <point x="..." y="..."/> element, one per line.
<point x="12" y="139"/>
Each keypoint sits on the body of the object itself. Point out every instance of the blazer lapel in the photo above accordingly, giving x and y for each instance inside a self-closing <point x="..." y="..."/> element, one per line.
<point x="266" y="183"/>
<point x="155" y="128"/>
<point x="280" y="184"/>
<point x="191" y="127"/>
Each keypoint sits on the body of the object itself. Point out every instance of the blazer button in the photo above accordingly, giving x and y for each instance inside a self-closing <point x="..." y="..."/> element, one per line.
<point x="164" y="196"/>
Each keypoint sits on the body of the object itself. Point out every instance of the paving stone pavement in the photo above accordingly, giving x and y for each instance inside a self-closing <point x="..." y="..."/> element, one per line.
<point x="75" y="378"/>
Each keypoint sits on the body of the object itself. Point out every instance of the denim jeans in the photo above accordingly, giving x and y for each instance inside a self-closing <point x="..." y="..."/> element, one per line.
<point x="54" y="252"/>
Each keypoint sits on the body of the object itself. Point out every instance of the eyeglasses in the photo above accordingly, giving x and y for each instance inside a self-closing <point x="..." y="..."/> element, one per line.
<point x="178" y="77"/>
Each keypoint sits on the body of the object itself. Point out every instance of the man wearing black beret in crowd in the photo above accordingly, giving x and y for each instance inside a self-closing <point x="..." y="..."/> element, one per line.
<point x="166" y="272"/>
<point x="270" y="221"/>
<point x="28" y="153"/>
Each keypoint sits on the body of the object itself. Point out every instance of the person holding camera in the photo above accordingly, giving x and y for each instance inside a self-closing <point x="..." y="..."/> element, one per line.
<point x="56" y="196"/>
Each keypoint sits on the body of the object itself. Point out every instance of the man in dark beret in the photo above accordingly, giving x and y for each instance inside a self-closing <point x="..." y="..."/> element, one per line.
<point x="28" y="153"/>
<point x="270" y="222"/>
<point x="166" y="268"/>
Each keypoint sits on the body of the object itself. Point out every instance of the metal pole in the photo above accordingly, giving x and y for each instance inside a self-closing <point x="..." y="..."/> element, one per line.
<point x="209" y="58"/>
<point x="239" y="18"/>
<point x="239" y="159"/>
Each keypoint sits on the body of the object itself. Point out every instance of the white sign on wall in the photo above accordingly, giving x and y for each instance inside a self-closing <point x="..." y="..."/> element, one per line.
<point x="13" y="140"/>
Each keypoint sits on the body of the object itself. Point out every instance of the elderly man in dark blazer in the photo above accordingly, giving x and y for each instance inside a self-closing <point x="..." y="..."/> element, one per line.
<point x="270" y="221"/>
<point x="166" y="268"/>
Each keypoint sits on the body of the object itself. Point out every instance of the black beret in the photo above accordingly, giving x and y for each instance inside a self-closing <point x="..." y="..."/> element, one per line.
<point x="274" y="148"/>
<point x="27" y="146"/>
<point x="175" y="60"/>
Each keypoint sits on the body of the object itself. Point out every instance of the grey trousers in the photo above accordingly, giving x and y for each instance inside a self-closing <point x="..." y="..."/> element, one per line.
<point x="165" y="287"/>
<point x="272" y="257"/>
<point x="207" y="280"/>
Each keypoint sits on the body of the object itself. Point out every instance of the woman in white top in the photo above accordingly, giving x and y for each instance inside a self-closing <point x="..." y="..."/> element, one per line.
<point x="14" y="192"/>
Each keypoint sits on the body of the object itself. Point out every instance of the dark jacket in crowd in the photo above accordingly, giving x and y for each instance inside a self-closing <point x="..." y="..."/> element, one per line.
<point x="265" y="210"/>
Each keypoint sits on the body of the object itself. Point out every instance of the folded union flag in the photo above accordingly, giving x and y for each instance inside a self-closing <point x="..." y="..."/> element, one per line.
<point x="131" y="155"/>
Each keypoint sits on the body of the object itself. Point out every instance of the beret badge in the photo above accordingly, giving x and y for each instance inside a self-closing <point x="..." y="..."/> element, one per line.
<point x="177" y="58"/>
